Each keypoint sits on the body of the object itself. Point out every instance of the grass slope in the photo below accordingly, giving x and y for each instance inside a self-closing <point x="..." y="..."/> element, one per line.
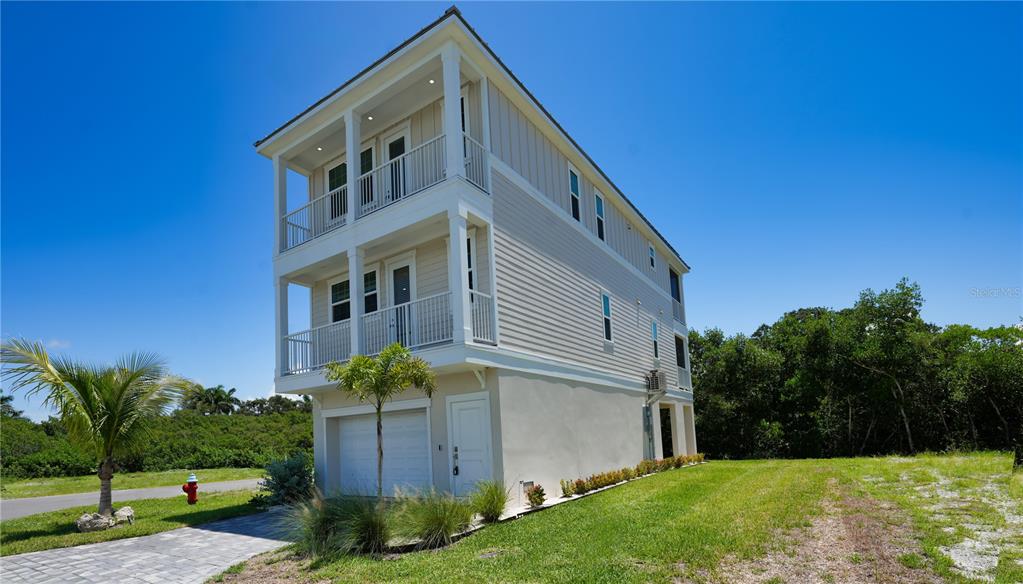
<point x="137" y="480"/>
<point x="647" y="530"/>
<point x="56" y="529"/>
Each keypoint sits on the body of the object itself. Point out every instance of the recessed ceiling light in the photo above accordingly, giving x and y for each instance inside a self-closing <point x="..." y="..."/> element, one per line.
<point x="370" y="118"/>
<point x="431" y="82"/>
<point x="319" y="148"/>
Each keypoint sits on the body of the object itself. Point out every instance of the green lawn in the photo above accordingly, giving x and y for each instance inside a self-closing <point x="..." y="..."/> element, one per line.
<point x="683" y="523"/>
<point x="136" y="480"/>
<point x="56" y="528"/>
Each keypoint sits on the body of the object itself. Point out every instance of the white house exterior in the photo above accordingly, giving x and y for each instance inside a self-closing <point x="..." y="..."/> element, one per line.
<point x="476" y="232"/>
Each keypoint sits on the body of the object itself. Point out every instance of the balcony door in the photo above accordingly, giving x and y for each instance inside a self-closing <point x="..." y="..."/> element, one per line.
<point x="401" y="282"/>
<point x="395" y="147"/>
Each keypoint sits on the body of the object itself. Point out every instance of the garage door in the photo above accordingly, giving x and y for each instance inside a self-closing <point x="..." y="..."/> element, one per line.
<point x="406" y="453"/>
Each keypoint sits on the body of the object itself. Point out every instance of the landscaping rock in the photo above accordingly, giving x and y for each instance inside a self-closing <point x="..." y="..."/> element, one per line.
<point x="124" y="515"/>
<point x="94" y="522"/>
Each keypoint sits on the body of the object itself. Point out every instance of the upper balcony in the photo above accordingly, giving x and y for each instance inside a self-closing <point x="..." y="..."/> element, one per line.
<point x="425" y="127"/>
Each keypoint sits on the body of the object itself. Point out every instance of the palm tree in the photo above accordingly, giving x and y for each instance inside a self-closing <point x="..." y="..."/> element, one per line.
<point x="211" y="400"/>
<point x="108" y="410"/>
<point x="377" y="380"/>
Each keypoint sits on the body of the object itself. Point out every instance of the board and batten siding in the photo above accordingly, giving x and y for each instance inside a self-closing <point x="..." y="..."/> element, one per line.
<point x="424" y="125"/>
<point x="521" y="145"/>
<point x="431" y="275"/>
<point x="550" y="279"/>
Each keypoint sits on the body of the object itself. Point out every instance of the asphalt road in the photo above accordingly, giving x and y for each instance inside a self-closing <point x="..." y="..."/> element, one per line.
<point x="13" y="508"/>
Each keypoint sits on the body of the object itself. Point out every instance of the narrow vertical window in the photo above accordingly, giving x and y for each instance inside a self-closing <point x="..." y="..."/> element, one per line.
<point x="653" y="335"/>
<point x="605" y="301"/>
<point x="680" y="353"/>
<point x="369" y="288"/>
<point x="653" y="255"/>
<point x="598" y="204"/>
<point x="573" y="190"/>
<point x="470" y="251"/>
<point x="340" y="301"/>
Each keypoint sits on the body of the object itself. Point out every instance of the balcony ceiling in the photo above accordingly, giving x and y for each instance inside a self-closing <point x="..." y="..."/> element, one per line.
<point x="407" y="95"/>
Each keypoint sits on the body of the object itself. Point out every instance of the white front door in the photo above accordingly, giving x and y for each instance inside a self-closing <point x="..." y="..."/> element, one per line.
<point x="406" y="453"/>
<point x="469" y="441"/>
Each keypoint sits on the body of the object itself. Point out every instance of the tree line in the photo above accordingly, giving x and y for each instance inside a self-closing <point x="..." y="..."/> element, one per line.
<point x="874" y="378"/>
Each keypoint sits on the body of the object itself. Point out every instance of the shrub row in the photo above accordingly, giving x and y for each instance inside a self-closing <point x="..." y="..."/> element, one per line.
<point x="645" y="467"/>
<point x="184" y="439"/>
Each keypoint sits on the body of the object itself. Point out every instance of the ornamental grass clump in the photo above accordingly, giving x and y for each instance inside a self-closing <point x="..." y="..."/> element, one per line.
<point x="327" y="527"/>
<point x="489" y="500"/>
<point x="432" y="518"/>
<point x="567" y="488"/>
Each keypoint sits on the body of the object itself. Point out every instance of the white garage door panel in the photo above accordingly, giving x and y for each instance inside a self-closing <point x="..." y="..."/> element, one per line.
<point x="406" y="452"/>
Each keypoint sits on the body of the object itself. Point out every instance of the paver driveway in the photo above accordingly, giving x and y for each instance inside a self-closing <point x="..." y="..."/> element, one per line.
<point x="188" y="554"/>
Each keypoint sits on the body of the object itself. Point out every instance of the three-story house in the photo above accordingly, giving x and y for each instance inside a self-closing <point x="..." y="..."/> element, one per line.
<point x="448" y="211"/>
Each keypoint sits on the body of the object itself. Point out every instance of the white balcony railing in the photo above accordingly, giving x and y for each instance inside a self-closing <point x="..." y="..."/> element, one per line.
<point x="315" y="218"/>
<point x="422" y="322"/>
<point x="476" y="163"/>
<point x="481" y="311"/>
<point x="417" y="169"/>
<point x="678" y="311"/>
<point x="685" y="380"/>
<point x="314" y="348"/>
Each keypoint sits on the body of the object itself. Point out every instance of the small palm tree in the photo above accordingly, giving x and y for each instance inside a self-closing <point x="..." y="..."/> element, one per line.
<point x="377" y="380"/>
<point x="108" y="410"/>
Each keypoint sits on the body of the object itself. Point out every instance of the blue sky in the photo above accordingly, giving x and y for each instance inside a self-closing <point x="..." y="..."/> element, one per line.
<point x="793" y="153"/>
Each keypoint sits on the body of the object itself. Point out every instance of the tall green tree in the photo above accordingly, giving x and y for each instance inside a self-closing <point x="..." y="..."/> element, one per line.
<point x="107" y="410"/>
<point x="377" y="380"/>
<point x="210" y="400"/>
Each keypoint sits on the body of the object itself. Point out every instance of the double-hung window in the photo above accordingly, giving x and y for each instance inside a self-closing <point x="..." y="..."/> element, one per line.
<point x="340" y="301"/>
<point x="653" y="255"/>
<point x="369" y="291"/>
<point x="598" y="205"/>
<point x="574" y="188"/>
<point x="605" y="302"/>
<point x="653" y="336"/>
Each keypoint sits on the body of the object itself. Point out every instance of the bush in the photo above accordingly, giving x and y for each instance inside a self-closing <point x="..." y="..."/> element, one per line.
<point x="182" y="440"/>
<point x="567" y="488"/>
<point x="489" y="500"/>
<point x="579" y="487"/>
<point x="434" y="518"/>
<point x="325" y="527"/>
<point x="535" y="495"/>
<point x="289" y="480"/>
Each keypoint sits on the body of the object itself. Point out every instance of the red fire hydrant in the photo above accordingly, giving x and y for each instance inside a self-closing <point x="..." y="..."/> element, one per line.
<point x="192" y="488"/>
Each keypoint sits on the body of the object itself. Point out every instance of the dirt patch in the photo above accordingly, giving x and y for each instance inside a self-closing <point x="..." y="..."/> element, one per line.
<point x="854" y="540"/>
<point x="270" y="568"/>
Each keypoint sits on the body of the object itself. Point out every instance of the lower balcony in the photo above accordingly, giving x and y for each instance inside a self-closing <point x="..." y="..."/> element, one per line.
<point x="418" y="324"/>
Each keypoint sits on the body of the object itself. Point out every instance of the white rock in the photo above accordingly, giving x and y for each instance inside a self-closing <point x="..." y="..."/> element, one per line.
<point x="94" y="522"/>
<point x="124" y="514"/>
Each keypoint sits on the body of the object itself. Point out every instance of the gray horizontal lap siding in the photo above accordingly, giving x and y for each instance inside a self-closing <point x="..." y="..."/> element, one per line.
<point x="518" y="143"/>
<point x="550" y="278"/>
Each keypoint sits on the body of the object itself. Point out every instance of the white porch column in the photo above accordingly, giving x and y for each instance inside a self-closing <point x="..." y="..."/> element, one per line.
<point x="280" y="202"/>
<point x="655" y="418"/>
<point x="485" y="109"/>
<point x="355" y="262"/>
<point x="280" y="325"/>
<point x="687" y="415"/>
<point x="352" y="136"/>
<point x="458" y="276"/>
<point x="678" y="430"/>
<point x="450" y="56"/>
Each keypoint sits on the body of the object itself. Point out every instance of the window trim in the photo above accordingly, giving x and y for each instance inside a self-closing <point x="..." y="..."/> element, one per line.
<point x="575" y="199"/>
<point x="606" y="320"/>
<point x="685" y="352"/>
<point x="473" y="272"/>
<point x="600" y="214"/>
<point x="330" y="299"/>
<point x="652" y="253"/>
<point x="376" y="274"/>
<point x="401" y="260"/>
<point x="655" y="336"/>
